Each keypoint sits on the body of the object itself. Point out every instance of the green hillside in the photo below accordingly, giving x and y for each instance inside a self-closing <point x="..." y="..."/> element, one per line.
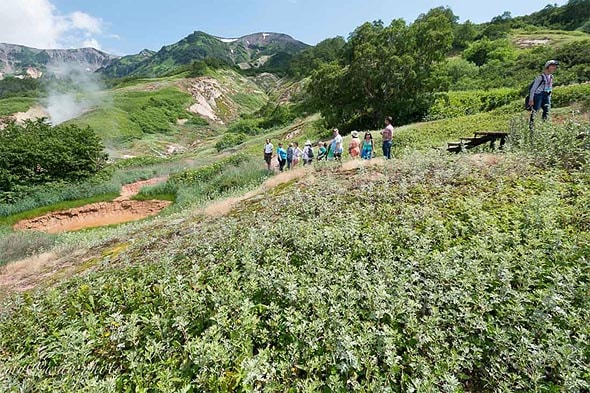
<point x="429" y="272"/>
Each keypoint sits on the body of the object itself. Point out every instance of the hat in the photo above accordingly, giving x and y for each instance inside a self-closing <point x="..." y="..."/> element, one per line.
<point x="550" y="63"/>
<point x="308" y="143"/>
<point x="355" y="134"/>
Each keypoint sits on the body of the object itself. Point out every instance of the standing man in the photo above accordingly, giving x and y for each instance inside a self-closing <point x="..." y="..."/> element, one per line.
<point x="337" y="143"/>
<point x="387" y="135"/>
<point x="268" y="147"/>
<point x="540" y="93"/>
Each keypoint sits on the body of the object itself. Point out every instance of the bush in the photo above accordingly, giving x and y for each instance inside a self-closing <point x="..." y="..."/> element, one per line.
<point x="37" y="153"/>
<point x="476" y="282"/>
<point x="247" y="126"/>
<point x="461" y="103"/>
<point x="554" y="145"/>
<point x="230" y="140"/>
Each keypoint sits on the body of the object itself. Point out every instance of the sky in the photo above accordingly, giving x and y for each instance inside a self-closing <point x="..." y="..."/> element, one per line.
<point x="127" y="26"/>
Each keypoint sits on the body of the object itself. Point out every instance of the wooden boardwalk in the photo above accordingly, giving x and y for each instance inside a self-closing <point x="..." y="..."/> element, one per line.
<point x="480" y="138"/>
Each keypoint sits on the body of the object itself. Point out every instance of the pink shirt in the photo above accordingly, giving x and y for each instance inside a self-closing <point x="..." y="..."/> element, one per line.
<point x="387" y="133"/>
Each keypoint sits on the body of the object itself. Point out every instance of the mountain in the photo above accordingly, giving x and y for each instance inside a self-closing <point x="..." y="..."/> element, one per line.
<point x="246" y="52"/>
<point x="22" y="60"/>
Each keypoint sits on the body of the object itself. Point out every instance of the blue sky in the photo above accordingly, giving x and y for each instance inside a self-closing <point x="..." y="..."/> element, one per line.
<point x="127" y="26"/>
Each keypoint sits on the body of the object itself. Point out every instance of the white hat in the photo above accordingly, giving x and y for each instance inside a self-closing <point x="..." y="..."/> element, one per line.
<point x="550" y="63"/>
<point x="308" y="143"/>
<point x="355" y="134"/>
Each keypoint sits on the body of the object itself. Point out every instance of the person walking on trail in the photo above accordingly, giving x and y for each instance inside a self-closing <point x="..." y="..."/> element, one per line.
<point x="368" y="147"/>
<point x="337" y="143"/>
<point x="354" y="148"/>
<point x="290" y="151"/>
<point x="307" y="154"/>
<point x="268" y="148"/>
<point x="387" y="135"/>
<point x="540" y="93"/>
<point x="282" y="157"/>
<point x="297" y="153"/>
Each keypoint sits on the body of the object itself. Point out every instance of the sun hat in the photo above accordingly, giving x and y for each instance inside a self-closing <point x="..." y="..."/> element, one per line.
<point x="550" y="63"/>
<point x="355" y="134"/>
<point x="308" y="143"/>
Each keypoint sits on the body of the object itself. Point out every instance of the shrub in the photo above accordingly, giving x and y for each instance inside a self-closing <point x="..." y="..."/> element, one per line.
<point x="230" y="140"/>
<point x="37" y="153"/>
<point x="553" y="145"/>
<point x="247" y="126"/>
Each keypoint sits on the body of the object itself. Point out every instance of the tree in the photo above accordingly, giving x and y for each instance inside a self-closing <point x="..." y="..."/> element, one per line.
<point x="465" y="33"/>
<point x="384" y="70"/>
<point x="37" y="153"/>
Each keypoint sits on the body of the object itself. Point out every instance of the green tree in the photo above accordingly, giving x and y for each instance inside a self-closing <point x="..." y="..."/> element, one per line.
<point x="465" y="33"/>
<point x="37" y="153"/>
<point x="384" y="70"/>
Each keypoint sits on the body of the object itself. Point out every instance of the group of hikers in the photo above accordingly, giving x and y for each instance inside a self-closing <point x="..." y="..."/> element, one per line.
<point x="333" y="150"/>
<point x="539" y="98"/>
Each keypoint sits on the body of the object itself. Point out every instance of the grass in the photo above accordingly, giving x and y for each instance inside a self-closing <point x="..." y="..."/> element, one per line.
<point x="558" y="38"/>
<point x="8" y="106"/>
<point x="16" y="246"/>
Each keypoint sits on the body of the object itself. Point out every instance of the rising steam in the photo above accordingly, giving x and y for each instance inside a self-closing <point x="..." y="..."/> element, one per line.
<point x="74" y="91"/>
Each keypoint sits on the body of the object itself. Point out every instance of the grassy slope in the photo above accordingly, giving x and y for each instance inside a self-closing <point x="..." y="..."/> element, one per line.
<point x="557" y="38"/>
<point x="312" y="288"/>
<point x="8" y="106"/>
<point x="130" y="122"/>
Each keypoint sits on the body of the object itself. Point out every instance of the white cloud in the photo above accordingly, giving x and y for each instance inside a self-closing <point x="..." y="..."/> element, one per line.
<point x="83" y="21"/>
<point x="39" y="24"/>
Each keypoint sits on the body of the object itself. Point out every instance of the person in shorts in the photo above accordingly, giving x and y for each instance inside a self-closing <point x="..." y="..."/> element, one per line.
<point x="268" y="148"/>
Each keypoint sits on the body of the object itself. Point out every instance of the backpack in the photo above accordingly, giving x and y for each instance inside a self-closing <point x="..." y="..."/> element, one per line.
<point x="528" y="95"/>
<point x="310" y="152"/>
<point x="290" y="153"/>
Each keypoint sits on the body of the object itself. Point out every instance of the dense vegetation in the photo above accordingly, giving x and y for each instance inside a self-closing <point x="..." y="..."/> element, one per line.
<point x="37" y="153"/>
<point x="474" y="282"/>
<point x="428" y="273"/>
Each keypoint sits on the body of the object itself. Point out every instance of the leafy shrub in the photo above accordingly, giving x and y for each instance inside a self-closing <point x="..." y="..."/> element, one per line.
<point x="247" y="126"/>
<point x="230" y="140"/>
<point x="554" y="145"/>
<point x="206" y="173"/>
<point x="461" y="103"/>
<point x="37" y="153"/>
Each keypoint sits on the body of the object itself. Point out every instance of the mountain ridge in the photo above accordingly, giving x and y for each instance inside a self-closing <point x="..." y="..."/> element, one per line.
<point x="248" y="51"/>
<point x="20" y="59"/>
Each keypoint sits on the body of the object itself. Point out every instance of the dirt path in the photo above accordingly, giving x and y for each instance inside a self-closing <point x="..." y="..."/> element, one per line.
<point x="121" y="210"/>
<point x="225" y="206"/>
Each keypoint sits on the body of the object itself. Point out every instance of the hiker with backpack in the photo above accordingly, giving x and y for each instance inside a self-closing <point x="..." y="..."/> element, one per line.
<point x="540" y="93"/>
<point x="307" y="153"/>
<point x="290" y="151"/>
